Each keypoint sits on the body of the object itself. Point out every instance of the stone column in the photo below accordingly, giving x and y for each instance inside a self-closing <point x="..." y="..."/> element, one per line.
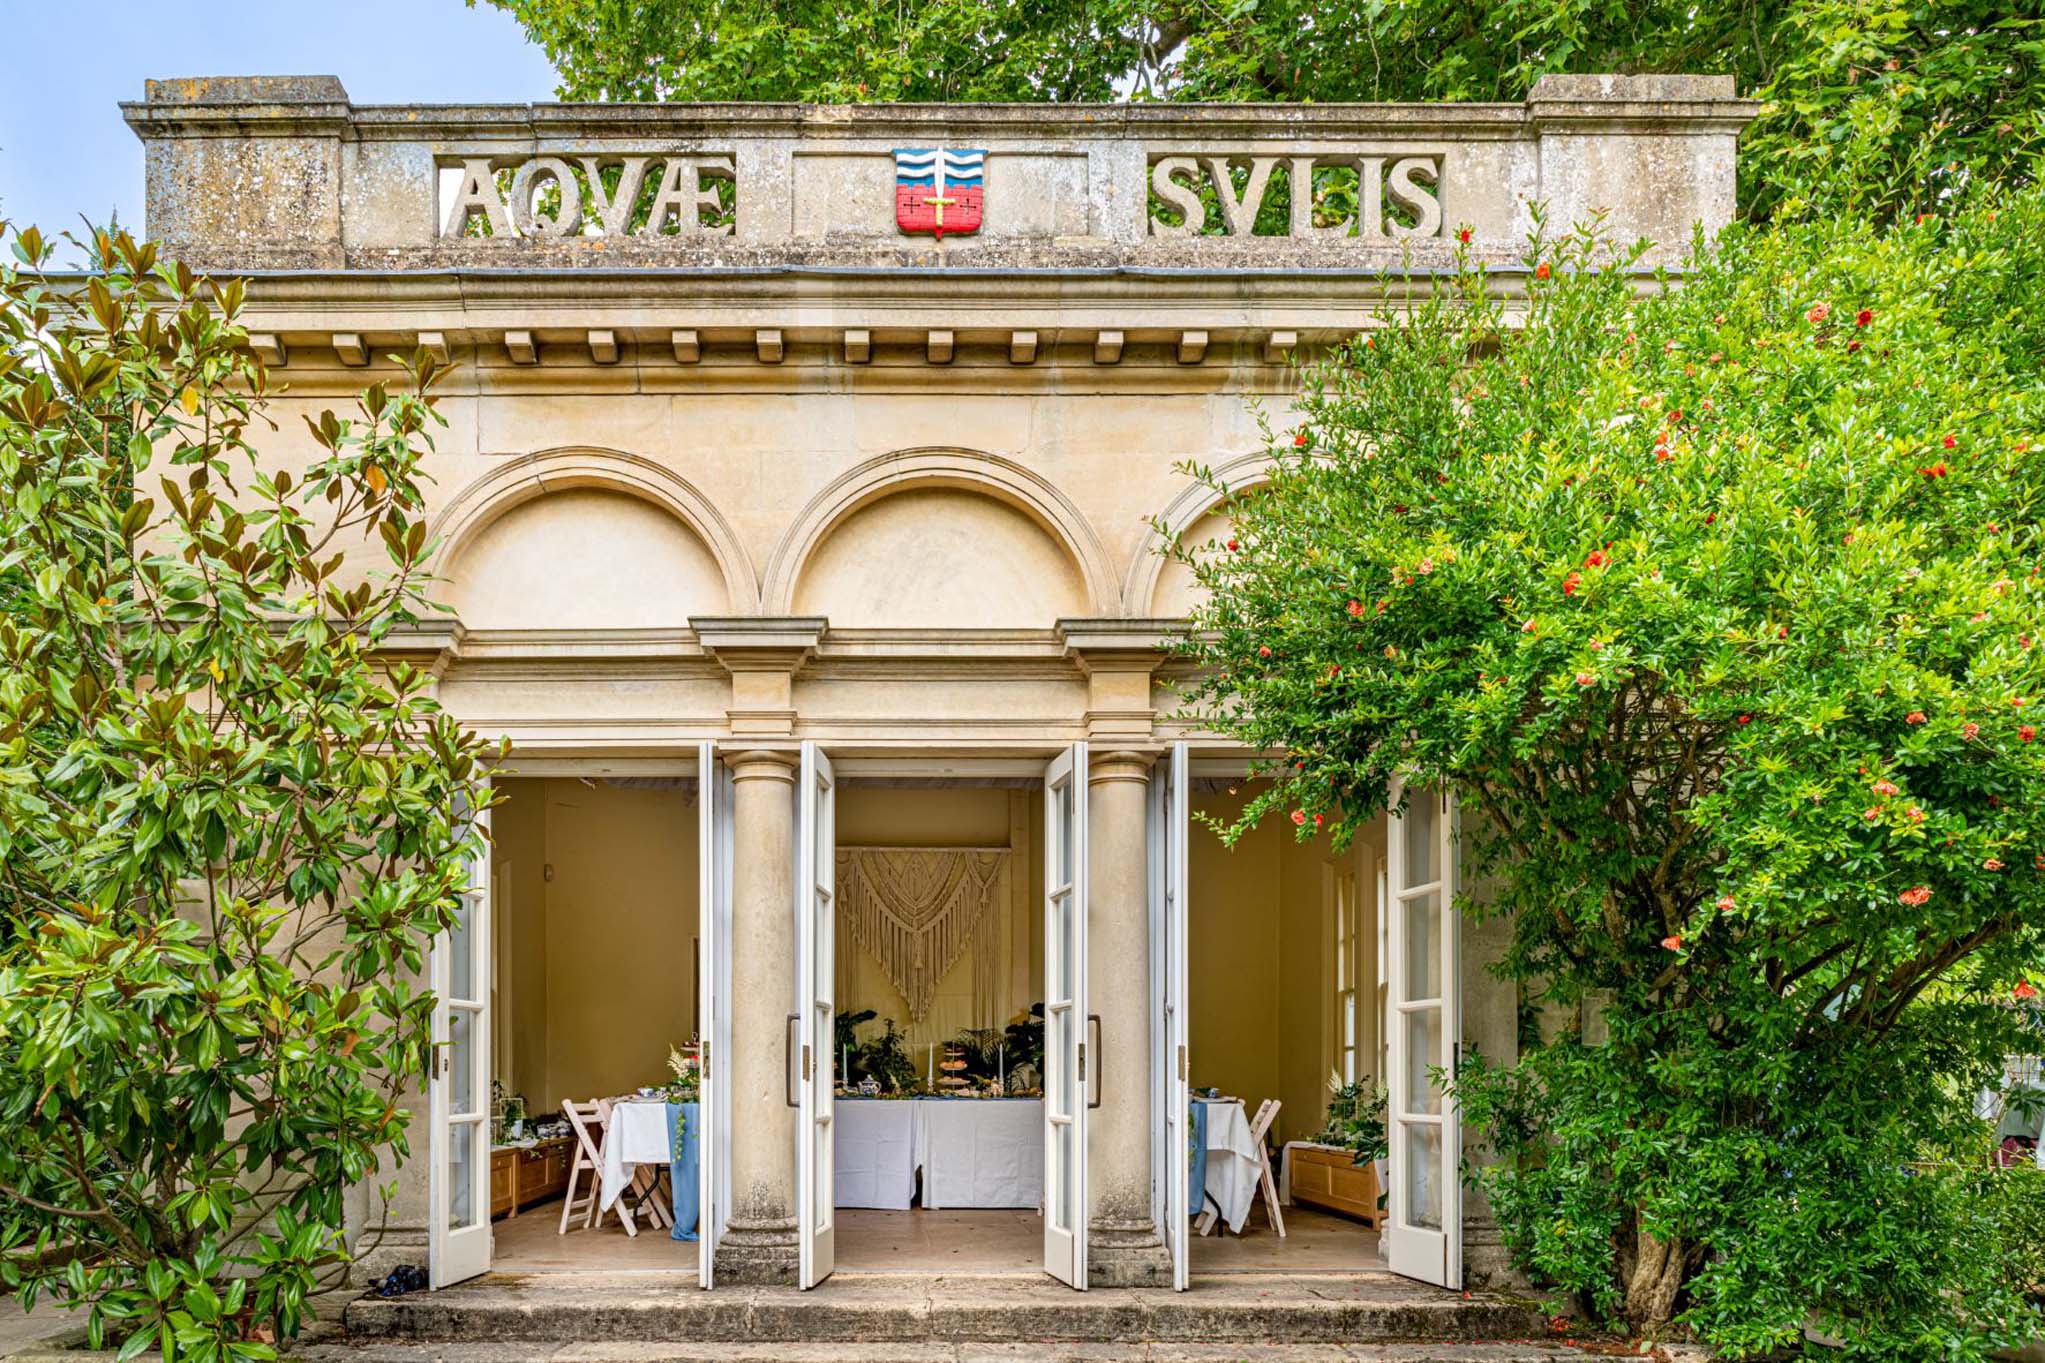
<point x="760" y="1244"/>
<point x="1123" y="1245"/>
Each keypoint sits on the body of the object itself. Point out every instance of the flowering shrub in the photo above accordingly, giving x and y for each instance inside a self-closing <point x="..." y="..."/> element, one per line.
<point x="228" y="828"/>
<point x="1717" y="605"/>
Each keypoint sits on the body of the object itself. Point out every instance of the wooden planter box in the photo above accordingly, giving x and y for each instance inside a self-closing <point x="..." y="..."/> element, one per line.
<point x="1328" y="1176"/>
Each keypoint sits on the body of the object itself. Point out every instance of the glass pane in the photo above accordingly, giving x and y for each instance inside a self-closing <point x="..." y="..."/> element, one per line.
<point x="1058" y="1046"/>
<point x="461" y="1059"/>
<point x="461" y="965"/>
<point x="1349" y="1032"/>
<point x="1423" y="1177"/>
<point x="1420" y="838"/>
<point x="1061" y="947"/>
<point x="1423" y="1053"/>
<point x="461" y="1158"/>
<point x="1061" y="1169"/>
<point x="1422" y="915"/>
<point x="1063" y="833"/>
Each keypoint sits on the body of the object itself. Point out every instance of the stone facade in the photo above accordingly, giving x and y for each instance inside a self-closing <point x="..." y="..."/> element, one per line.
<point x="729" y="456"/>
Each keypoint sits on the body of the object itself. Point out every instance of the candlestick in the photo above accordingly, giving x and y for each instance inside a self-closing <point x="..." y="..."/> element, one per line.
<point x="930" y="1067"/>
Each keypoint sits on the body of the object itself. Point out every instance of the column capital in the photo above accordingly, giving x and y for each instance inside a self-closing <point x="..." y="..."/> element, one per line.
<point x="763" y="764"/>
<point x="1104" y="766"/>
<point x="1119" y="659"/>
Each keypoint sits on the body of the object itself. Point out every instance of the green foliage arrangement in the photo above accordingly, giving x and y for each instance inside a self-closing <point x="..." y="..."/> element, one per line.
<point x="1719" y="607"/>
<point x="227" y="831"/>
<point x="1881" y="106"/>
<point x="1356" y="1121"/>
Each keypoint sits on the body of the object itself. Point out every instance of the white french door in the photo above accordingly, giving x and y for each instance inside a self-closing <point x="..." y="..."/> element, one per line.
<point x="1423" y="1232"/>
<point x="1170" y="816"/>
<point x="713" y="1005"/>
<point x="458" y="1085"/>
<point x="816" y="915"/>
<point x="1065" y="1017"/>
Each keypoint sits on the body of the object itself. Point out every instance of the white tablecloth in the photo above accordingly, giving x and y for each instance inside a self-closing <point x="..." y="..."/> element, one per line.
<point x="873" y="1152"/>
<point x="1231" y="1161"/>
<point x="973" y="1152"/>
<point x="986" y="1152"/>
<point x="636" y="1134"/>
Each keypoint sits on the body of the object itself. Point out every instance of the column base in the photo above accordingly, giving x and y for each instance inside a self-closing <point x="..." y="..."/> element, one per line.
<point x="1121" y="1256"/>
<point x="759" y="1256"/>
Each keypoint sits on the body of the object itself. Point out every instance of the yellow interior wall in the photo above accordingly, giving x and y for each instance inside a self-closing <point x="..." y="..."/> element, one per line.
<point x="1259" y="935"/>
<point x="603" y="955"/>
<point x="961" y="816"/>
<point x="518" y="827"/>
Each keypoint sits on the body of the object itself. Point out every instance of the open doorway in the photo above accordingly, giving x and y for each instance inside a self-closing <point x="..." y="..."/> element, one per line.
<point x="594" y="898"/>
<point x="938" y="1127"/>
<point x="1285" y="1060"/>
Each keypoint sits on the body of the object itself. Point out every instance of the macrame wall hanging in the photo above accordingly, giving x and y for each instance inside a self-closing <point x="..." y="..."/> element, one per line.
<point x="917" y="909"/>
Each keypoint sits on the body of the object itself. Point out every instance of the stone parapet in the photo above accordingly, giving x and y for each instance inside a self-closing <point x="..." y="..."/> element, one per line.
<point x="254" y="174"/>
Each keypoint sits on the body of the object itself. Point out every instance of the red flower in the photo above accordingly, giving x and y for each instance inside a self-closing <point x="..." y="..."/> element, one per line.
<point x="1527" y="628"/>
<point x="1231" y="546"/>
<point x="1746" y="719"/>
<point x="1914" y="717"/>
<point x="1725" y="903"/>
<point x="1585" y="679"/>
<point x="1355" y="609"/>
<point x="1463" y="235"/>
<point x="1969" y="729"/>
<point x="2025" y="990"/>
<point x="1885" y="787"/>
<point x="1300" y="439"/>
<point x="1317" y="821"/>
<point x="2026" y="733"/>
<point x="1673" y="942"/>
<point x="1991" y="864"/>
<point x="1263" y="650"/>
<point x="1299" y="816"/>
<point x="1915" y="896"/>
<point x="1950" y="443"/>
<point x="1863" y="317"/>
<point x="1597" y="559"/>
<point x="1818" y="313"/>
<point x="1570" y="584"/>
<point x="1541" y="271"/>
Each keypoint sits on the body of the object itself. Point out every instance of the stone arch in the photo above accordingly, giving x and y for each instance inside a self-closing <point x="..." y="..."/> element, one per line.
<point x="1195" y="502"/>
<point x="566" y="472"/>
<point x="932" y="470"/>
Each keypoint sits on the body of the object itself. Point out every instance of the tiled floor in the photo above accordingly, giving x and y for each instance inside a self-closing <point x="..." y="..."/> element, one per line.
<point x="936" y="1242"/>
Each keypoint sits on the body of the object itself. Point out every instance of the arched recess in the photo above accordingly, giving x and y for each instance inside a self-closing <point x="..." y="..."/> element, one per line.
<point x="1195" y="503"/>
<point x="931" y="470"/>
<point x="582" y="473"/>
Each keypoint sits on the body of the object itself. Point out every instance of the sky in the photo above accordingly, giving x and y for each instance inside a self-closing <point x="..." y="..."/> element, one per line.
<point x="64" y="150"/>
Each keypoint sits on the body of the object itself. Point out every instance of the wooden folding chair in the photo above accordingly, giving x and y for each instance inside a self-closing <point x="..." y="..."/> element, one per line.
<point x="588" y="1156"/>
<point x="1260" y="1126"/>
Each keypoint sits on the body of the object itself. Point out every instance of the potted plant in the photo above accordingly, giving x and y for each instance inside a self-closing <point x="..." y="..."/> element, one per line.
<point x="1339" y="1170"/>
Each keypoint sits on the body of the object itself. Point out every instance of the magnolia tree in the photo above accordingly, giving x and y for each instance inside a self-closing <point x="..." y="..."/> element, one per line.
<point x="1718" y="606"/>
<point x="227" y="831"/>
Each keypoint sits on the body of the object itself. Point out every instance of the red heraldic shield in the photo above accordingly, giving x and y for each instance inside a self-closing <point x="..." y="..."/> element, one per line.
<point x="938" y="190"/>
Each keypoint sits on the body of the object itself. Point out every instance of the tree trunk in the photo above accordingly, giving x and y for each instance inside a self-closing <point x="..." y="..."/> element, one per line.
<point x="1653" y="1278"/>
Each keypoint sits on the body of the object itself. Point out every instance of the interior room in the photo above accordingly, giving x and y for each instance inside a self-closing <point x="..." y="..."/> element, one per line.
<point x="593" y="884"/>
<point x="1283" y="941"/>
<point x="940" y="964"/>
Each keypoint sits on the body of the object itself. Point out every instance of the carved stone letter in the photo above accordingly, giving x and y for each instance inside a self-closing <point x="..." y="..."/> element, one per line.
<point x="478" y="194"/>
<point x="1370" y="198"/>
<point x="1180" y="195"/>
<point x="1426" y="207"/>
<point x="684" y="196"/>
<point x="1303" y="204"/>
<point x="1241" y="214"/>
<point x="564" y="221"/>
<point x="615" y="211"/>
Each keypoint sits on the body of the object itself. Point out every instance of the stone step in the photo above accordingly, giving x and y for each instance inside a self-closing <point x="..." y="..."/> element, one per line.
<point x="677" y="1351"/>
<point x="591" y="1309"/>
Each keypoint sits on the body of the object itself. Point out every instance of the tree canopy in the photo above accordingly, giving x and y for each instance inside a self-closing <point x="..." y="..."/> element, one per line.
<point x="1909" y="96"/>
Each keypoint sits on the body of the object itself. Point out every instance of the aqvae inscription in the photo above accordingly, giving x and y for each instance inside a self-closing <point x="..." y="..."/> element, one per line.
<point x="1337" y="181"/>
<point x="939" y="191"/>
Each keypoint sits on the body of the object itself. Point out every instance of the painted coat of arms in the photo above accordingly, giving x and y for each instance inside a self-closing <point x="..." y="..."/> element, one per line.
<point x="938" y="190"/>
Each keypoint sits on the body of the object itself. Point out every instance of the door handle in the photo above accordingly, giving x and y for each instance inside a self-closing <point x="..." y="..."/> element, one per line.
<point x="1097" y="1082"/>
<point x="788" y="1060"/>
